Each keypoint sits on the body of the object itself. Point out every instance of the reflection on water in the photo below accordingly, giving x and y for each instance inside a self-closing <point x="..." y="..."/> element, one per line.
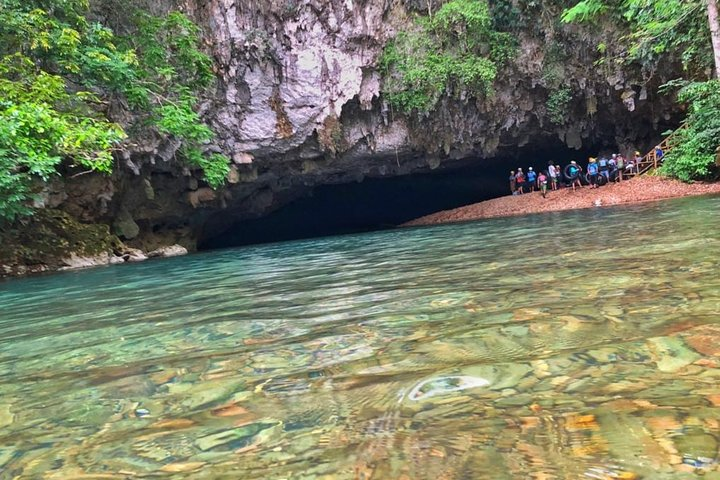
<point x="561" y="346"/>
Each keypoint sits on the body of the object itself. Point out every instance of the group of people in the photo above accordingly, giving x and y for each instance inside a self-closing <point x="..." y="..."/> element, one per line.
<point x="599" y="171"/>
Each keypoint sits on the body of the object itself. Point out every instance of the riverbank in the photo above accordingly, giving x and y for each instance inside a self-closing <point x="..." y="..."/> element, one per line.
<point x="636" y="190"/>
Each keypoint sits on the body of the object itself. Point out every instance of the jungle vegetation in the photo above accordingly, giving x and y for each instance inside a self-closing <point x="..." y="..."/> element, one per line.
<point x="73" y="92"/>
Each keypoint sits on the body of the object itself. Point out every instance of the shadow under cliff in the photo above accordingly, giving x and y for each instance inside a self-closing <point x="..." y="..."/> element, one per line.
<point x="379" y="203"/>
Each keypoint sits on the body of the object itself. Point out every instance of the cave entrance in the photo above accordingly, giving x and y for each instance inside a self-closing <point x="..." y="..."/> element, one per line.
<point x="381" y="203"/>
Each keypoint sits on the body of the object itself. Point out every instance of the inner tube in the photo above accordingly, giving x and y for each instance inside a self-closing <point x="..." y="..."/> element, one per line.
<point x="566" y="171"/>
<point x="602" y="180"/>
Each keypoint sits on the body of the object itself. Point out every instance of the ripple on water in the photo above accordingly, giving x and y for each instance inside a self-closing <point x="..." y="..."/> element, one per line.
<point x="565" y="346"/>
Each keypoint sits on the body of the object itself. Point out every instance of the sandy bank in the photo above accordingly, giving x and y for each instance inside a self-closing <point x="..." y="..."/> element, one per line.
<point x="637" y="190"/>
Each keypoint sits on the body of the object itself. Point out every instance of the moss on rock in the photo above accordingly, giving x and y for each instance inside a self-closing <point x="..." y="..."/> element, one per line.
<point x="44" y="240"/>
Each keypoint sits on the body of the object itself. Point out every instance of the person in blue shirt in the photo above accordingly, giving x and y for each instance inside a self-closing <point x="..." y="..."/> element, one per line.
<point x="604" y="167"/>
<point x="592" y="170"/>
<point x="531" y="178"/>
<point x="659" y="152"/>
<point x="573" y="172"/>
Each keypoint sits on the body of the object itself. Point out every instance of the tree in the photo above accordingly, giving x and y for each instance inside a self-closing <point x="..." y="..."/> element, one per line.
<point x="712" y="10"/>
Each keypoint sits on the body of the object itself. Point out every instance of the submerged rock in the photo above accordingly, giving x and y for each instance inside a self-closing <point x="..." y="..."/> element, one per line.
<point x="671" y="353"/>
<point x="444" y="385"/>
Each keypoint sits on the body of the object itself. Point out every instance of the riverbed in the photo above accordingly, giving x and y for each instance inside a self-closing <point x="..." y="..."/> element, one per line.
<point x="567" y="345"/>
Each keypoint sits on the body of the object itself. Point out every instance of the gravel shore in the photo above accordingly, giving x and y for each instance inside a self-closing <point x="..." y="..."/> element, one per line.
<point x="636" y="190"/>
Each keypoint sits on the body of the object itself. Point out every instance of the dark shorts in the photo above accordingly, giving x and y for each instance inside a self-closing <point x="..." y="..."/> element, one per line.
<point x="593" y="178"/>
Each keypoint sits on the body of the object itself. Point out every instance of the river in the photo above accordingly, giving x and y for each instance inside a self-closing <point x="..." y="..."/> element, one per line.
<point x="568" y="345"/>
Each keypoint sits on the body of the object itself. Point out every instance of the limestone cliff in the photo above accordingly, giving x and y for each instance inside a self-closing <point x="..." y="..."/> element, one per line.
<point x="298" y="104"/>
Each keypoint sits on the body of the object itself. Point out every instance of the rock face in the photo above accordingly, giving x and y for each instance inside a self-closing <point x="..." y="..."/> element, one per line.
<point x="298" y="104"/>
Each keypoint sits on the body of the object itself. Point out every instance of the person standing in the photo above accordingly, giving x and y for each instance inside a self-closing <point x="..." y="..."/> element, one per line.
<point x="531" y="178"/>
<point x="543" y="183"/>
<point x="603" y="167"/>
<point x="574" y="171"/>
<point x="638" y="159"/>
<point x="520" y="181"/>
<point x="592" y="170"/>
<point x="612" y="164"/>
<point x="552" y="173"/>
<point x="512" y="182"/>
<point x="658" y="153"/>
<point x="620" y="166"/>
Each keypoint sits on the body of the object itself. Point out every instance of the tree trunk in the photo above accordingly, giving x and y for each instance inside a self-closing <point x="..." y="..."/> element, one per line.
<point x="714" y="33"/>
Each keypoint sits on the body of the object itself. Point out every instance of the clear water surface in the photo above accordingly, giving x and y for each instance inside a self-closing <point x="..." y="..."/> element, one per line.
<point x="560" y="346"/>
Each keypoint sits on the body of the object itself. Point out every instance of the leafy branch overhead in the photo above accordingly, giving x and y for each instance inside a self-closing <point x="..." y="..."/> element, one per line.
<point x="59" y="71"/>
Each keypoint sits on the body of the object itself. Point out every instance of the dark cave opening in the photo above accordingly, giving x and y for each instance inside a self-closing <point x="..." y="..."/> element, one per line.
<point x="381" y="203"/>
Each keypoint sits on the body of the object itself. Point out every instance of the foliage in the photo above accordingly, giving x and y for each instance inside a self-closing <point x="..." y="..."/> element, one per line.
<point x="505" y="15"/>
<point x="557" y="105"/>
<point x="676" y="28"/>
<point x="59" y="74"/>
<point x="215" y="166"/>
<point x="697" y="145"/>
<point x="668" y="30"/>
<point x="584" y="11"/>
<point x="454" y="51"/>
<point x="40" y="124"/>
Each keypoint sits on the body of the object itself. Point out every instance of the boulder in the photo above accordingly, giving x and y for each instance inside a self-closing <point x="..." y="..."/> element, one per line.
<point x="169" y="251"/>
<point x="124" y="226"/>
<point x="74" y="262"/>
<point x="134" y="255"/>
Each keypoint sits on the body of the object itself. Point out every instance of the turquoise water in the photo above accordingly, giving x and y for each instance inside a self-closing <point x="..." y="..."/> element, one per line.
<point x="560" y="346"/>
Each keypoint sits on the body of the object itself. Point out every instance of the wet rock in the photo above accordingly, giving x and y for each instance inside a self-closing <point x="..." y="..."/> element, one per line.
<point x="74" y="262"/>
<point x="124" y="226"/>
<point x="115" y="260"/>
<point x="234" y="439"/>
<point x="671" y="354"/>
<point x="173" y="424"/>
<point x="148" y="189"/>
<point x="242" y="158"/>
<point x="697" y="444"/>
<point x="231" y="410"/>
<point x="517" y="400"/>
<point x="6" y="416"/>
<point x="445" y="385"/>
<point x="705" y="341"/>
<point x="182" y="467"/>
<point x="169" y="251"/>
<point x="233" y="176"/>
<point x="200" y="196"/>
<point x="133" y="255"/>
<point x="142" y="412"/>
